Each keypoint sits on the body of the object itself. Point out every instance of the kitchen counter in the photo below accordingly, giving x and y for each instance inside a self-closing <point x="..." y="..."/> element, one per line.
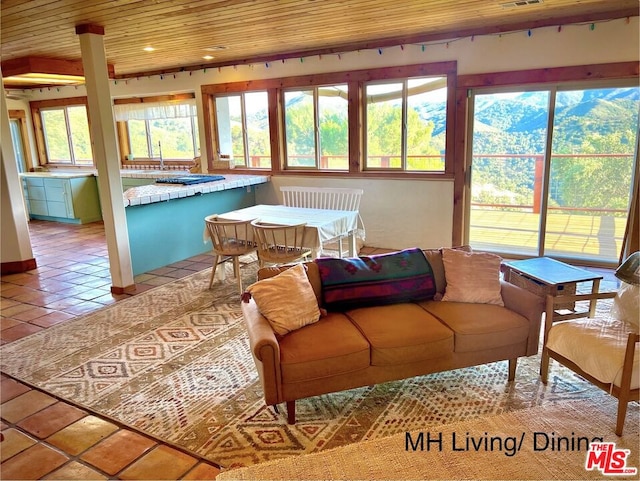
<point x="149" y="194"/>
<point x="56" y="175"/>
<point x="165" y="221"/>
<point x="172" y="213"/>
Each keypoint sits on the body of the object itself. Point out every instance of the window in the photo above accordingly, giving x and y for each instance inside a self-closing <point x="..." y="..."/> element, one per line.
<point x="20" y="139"/>
<point x="158" y="130"/>
<point x="66" y="135"/>
<point x="553" y="170"/>
<point x="243" y="129"/>
<point x="169" y="138"/>
<point x="316" y="128"/>
<point x="371" y="122"/>
<point x="406" y="124"/>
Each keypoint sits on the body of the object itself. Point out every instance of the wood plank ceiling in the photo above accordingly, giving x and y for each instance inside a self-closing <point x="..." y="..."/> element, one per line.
<point x="243" y="31"/>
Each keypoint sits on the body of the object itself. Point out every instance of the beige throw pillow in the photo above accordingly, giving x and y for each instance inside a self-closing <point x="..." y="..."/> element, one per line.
<point x="472" y="277"/>
<point x="626" y="304"/>
<point x="286" y="300"/>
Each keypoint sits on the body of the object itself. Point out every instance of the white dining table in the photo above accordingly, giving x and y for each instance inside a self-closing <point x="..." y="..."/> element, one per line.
<point x="325" y="225"/>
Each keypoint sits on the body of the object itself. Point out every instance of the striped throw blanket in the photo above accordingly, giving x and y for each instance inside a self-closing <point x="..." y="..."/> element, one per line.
<point x="401" y="276"/>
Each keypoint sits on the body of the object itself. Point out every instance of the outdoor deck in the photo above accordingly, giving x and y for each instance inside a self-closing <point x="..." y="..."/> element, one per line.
<point x="586" y="236"/>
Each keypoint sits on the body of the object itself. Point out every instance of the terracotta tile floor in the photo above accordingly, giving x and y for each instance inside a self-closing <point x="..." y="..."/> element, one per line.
<point x="44" y="437"/>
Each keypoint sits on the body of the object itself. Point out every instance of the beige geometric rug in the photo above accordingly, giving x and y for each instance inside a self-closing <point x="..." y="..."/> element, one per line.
<point x="549" y="442"/>
<point x="174" y="362"/>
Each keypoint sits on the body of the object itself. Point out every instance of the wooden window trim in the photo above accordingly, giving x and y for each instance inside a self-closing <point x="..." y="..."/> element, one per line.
<point x="36" y="107"/>
<point x="122" y="130"/>
<point x="584" y="74"/>
<point x="21" y="117"/>
<point x="355" y="80"/>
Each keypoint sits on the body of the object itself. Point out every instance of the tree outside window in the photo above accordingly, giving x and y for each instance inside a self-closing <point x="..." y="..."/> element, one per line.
<point x="66" y="135"/>
<point x="406" y="124"/>
<point x="243" y="129"/>
<point x="316" y="128"/>
<point x="159" y="129"/>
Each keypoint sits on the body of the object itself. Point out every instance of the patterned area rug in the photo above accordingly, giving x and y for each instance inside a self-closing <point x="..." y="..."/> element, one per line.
<point x="174" y="362"/>
<point x="544" y="442"/>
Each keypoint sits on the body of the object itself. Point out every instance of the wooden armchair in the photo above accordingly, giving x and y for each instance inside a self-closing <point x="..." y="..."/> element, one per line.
<point x="603" y="350"/>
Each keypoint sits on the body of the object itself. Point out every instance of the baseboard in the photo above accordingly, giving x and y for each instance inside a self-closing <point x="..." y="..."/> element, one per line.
<point x="132" y="289"/>
<point x="16" y="267"/>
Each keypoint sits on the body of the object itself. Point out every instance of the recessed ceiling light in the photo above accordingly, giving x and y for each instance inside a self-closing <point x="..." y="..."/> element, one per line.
<point x="215" y="49"/>
<point x="148" y="49"/>
<point x="521" y="3"/>
<point x="208" y="57"/>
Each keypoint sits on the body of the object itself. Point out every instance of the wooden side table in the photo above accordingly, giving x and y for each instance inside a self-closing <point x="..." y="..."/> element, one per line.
<point x="544" y="276"/>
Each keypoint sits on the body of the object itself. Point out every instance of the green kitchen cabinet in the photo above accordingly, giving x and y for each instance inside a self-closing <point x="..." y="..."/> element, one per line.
<point x="73" y="199"/>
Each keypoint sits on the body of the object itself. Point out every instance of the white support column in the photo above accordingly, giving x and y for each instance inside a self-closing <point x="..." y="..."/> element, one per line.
<point x="105" y="153"/>
<point x="16" y="254"/>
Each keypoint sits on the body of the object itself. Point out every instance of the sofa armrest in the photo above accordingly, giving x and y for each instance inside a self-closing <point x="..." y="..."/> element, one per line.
<point x="265" y="350"/>
<point x="528" y="305"/>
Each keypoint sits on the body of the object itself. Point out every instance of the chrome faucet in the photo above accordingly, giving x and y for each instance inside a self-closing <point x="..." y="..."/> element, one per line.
<point x="161" y="159"/>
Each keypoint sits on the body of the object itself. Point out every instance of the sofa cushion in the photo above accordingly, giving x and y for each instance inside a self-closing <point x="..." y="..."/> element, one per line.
<point x="434" y="256"/>
<point x="402" y="333"/>
<point x="472" y="277"/>
<point x="287" y="300"/>
<point x="375" y="280"/>
<point x="479" y="326"/>
<point x="329" y="347"/>
<point x="310" y="268"/>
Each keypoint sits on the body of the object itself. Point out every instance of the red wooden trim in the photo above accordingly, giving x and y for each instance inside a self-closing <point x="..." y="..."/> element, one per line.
<point x="89" y="28"/>
<point x="365" y="75"/>
<point x="460" y="164"/>
<point x="124" y="290"/>
<point x="551" y="75"/>
<point x="16" y="267"/>
<point x="275" y="120"/>
<point x="155" y="98"/>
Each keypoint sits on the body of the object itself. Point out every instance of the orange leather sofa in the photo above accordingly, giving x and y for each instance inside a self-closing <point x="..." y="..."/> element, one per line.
<point x="371" y="345"/>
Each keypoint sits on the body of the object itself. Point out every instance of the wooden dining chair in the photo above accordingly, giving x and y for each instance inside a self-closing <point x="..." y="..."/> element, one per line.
<point x="231" y="239"/>
<point x="332" y="198"/>
<point x="280" y="244"/>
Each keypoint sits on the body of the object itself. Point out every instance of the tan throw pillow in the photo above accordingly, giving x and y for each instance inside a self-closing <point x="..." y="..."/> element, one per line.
<point x="286" y="300"/>
<point x="472" y="277"/>
<point x="626" y="304"/>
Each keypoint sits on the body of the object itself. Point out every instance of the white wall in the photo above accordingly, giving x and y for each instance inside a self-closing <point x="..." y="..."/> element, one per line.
<point x="396" y="213"/>
<point x="421" y="211"/>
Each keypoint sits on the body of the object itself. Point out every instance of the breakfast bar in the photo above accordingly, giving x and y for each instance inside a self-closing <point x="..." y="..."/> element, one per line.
<point x="165" y="221"/>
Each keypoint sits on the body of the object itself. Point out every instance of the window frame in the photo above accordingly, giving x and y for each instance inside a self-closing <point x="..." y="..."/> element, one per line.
<point x="38" y="126"/>
<point x="405" y="94"/>
<point x="21" y="117"/>
<point x="355" y="81"/>
<point x="317" y="167"/>
<point x="244" y="123"/>
<point x="124" y="140"/>
<point x="587" y="75"/>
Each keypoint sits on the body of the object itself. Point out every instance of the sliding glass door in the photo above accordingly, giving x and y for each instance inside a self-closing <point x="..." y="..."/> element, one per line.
<point x="552" y="171"/>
